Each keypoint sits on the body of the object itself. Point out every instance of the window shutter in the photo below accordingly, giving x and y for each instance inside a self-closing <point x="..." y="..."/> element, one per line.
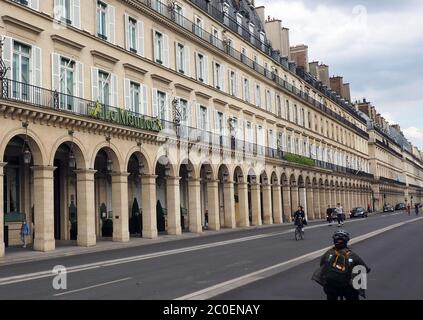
<point x="36" y="70"/>
<point x="114" y="92"/>
<point x="79" y="79"/>
<point x="127" y="88"/>
<point x="187" y="58"/>
<point x="94" y="83"/>
<point x="166" y="50"/>
<point x="111" y="17"/>
<point x="206" y="70"/>
<point x="143" y="100"/>
<point x="7" y="55"/>
<point x="221" y="78"/>
<point x="80" y="85"/>
<point x="155" y="111"/>
<point x="197" y="65"/>
<point x="198" y="116"/>
<point x="140" y="27"/>
<point x="127" y="34"/>
<point x="167" y="108"/>
<point x="178" y="56"/>
<point x="58" y="10"/>
<point x="55" y="72"/>
<point x="237" y="83"/>
<point x="209" y="120"/>
<point x="34" y="4"/>
<point x="76" y="21"/>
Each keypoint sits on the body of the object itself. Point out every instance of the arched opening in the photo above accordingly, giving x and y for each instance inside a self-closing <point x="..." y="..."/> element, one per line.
<point x="106" y="165"/>
<point x="240" y="198"/>
<point x="68" y="159"/>
<point x="137" y="167"/>
<point x="18" y="190"/>
<point x="275" y="196"/>
<point x="163" y="171"/>
<point x="207" y="197"/>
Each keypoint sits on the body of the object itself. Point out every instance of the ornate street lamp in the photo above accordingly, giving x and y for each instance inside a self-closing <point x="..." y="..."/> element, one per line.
<point x="167" y="170"/>
<point x="225" y="177"/>
<point x="72" y="159"/>
<point x="109" y="163"/>
<point x="27" y="156"/>
<point x="208" y="175"/>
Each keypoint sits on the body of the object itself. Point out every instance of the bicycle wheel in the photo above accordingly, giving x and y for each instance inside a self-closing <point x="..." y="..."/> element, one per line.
<point x="297" y="234"/>
<point x="302" y="235"/>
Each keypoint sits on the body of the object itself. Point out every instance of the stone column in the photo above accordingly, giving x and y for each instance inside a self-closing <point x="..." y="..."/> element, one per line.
<point x="194" y="206"/>
<point x="173" y="199"/>
<point x="2" y="165"/>
<point x="294" y="200"/>
<point x="267" y="204"/>
<point x="310" y="204"/>
<point x="120" y="206"/>
<point x="323" y="204"/>
<point x="149" y="202"/>
<point x="328" y="197"/>
<point x="229" y="200"/>
<point x="43" y="208"/>
<point x="86" y="207"/>
<point x="243" y="204"/>
<point x="286" y="203"/>
<point x="213" y="202"/>
<point x="255" y="204"/>
<point x="277" y="203"/>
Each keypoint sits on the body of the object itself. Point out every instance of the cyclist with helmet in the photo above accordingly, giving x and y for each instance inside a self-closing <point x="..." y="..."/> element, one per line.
<point x="336" y="267"/>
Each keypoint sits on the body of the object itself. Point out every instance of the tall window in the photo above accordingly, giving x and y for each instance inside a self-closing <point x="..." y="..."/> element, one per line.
<point x="303" y="117"/>
<point x="132" y="25"/>
<point x="258" y="96"/>
<point x="198" y="27"/>
<point x="287" y="111"/>
<point x="215" y="37"/>
<point x="67" y="80"/>
<point x="102" y="19"/>
<point x="218" y="76"/>
<point x="268" y="100"/>
<point x="158" y="45"/>
<point x="246" y="89"/>
<point x="232" y="83"/>
<point x="279" y="106"/>
<point x="104" y="87"/>
<point x="220" y="124"/>
<point x="316" y="125"/>
<point x="161" y="103"/>
<point x="203" y="118"/>
<point x="309" y="119"/>
<point x="179" y="14"/>
<point x="201" y="67"/>
<point x="295" y="114"/>
<point x="64" y="10"/>
<point x="21" y="70"/>
<point x="135" y="97"/>
<point x="180" y="58"/>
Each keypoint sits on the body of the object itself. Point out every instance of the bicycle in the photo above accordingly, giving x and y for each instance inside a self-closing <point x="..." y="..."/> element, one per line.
<point x="299" y="232"/>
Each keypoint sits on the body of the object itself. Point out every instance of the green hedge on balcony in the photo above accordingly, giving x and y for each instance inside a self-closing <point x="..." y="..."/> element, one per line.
<point x="299" y="159"/>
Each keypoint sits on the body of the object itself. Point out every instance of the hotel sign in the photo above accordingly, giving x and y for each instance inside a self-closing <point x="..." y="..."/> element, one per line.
<point x="123" y="117"/>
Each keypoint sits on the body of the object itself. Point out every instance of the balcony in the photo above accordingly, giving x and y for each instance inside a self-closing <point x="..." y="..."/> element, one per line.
<point x="47" y="99"/>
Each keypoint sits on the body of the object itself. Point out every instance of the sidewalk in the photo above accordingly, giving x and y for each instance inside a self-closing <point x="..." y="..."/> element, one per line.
<point x="69" y="248"/>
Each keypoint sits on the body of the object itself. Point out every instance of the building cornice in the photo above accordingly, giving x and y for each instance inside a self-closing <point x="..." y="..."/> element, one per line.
<point x="104" y="56"/>
<point x="22" y="24"/>
<point x="160" y="78"/>
<point x="134" y="68"/>
<point x="67" y="42"/>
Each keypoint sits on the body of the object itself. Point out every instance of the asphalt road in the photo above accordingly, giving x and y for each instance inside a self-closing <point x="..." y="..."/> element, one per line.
<point x="174" y="269"/>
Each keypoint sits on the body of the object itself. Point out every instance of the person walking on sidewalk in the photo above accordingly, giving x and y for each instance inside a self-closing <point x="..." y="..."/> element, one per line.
<point x="24" y="232"/>
<point x="340" y="214"/>
<point x="416" y="208"/>
<point x="408" y="209"/>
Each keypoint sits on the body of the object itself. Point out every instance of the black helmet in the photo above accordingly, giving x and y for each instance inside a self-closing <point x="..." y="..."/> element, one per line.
<point x="341" y="238"/>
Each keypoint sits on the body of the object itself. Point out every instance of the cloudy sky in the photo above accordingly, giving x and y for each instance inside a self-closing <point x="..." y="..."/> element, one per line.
<point x="376" y="45"/>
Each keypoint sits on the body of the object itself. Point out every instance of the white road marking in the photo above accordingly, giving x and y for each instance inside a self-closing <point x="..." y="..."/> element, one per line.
<point x="90" y="287"/>
<point x="226" y="286"/>
<point x="112" y="262"/>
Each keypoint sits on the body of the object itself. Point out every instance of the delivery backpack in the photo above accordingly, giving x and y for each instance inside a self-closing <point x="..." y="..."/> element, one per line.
<point x="338" y="270"/>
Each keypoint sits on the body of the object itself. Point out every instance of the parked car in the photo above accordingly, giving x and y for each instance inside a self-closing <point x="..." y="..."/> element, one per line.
<point x="358" y="212"/>
<point x="388" y="208"/>
<point x="400" y="206"/>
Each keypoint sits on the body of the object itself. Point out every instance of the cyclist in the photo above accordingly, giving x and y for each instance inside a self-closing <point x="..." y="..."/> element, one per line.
<point x="336" y="267"/>
<point x="339" y="214"/>
<point x="299" y="218"/>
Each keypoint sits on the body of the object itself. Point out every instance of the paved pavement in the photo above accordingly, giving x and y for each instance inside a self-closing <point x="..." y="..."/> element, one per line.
<point x="174" y="269"/>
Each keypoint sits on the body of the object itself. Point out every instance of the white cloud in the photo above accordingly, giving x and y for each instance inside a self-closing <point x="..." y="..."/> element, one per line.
<point x="414" y="134"/>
